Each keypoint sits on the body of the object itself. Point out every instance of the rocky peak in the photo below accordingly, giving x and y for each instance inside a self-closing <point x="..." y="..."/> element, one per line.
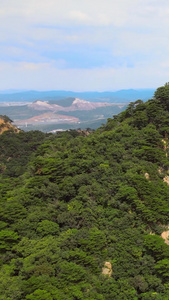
<point x="6" y="124"/>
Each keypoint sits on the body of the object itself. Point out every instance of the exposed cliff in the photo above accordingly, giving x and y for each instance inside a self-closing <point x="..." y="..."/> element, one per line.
<point x="6" y="124"/>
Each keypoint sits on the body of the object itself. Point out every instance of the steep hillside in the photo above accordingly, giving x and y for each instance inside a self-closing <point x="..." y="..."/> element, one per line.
<point x="88" y="217"/>
<point x="16" y="148"/>
<point x="6" y="125"/>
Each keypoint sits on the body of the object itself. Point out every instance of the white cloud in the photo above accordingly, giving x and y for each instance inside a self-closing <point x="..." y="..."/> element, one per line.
<point x="46" y="76"/>
<point x="80" y="17"/>
<point x="65" y="12"/>
<point x="136" y="30"/>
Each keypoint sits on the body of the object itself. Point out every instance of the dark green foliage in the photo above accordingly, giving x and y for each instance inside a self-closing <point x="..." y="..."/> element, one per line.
<point x="7" y="239"/>
<point x="16" y="149"/>
<point x="162" y="94"/>
<point x="71" y="202"/>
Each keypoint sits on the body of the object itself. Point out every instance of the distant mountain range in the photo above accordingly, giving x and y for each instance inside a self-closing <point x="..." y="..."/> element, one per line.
<point x="60" y="114"/>
<point x="69" y="104"/>
<point x="52" y="110"/>
<point x="66" y="111"/>
<point x="121" y="96"/>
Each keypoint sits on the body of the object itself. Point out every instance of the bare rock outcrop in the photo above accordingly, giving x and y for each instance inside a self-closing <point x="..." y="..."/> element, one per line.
<point x="165" y="236"/>
<point x="147" y="176"/>
<point x="166" y="179"/>
<point x="107" y="269"/>
<point x="6" y="126"/>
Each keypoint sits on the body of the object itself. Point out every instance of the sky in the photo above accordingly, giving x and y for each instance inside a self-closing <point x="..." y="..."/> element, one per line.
<point x="86" y="45"/>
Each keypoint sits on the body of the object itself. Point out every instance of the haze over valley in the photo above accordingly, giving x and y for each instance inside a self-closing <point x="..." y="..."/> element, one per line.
<point x="62" y="110"/>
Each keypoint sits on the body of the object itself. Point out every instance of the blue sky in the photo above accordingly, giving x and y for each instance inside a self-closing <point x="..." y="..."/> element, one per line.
<point x="84" y="45"/>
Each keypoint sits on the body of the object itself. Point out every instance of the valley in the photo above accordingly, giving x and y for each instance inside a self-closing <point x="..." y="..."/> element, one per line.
<point x="61" y="110"/>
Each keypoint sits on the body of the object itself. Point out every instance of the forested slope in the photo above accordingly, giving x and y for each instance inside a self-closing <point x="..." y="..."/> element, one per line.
<point x="81" y="218"/>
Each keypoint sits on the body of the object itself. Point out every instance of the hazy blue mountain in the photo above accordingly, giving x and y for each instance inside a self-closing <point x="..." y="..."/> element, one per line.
<point x="120" y="96"/>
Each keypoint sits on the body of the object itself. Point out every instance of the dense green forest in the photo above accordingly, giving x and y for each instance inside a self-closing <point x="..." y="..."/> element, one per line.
<point x="81" y="215"/>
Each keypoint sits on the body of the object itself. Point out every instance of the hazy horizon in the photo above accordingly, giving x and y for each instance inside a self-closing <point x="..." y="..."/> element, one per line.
<point x="11" y="91"/>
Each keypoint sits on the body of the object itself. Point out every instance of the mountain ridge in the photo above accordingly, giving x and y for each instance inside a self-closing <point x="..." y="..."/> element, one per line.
<point x="121" y="95"/>
<point x="77" y="104"/>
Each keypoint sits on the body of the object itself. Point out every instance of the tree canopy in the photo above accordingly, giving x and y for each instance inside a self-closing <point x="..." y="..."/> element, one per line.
<point x="72" y="205"/>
